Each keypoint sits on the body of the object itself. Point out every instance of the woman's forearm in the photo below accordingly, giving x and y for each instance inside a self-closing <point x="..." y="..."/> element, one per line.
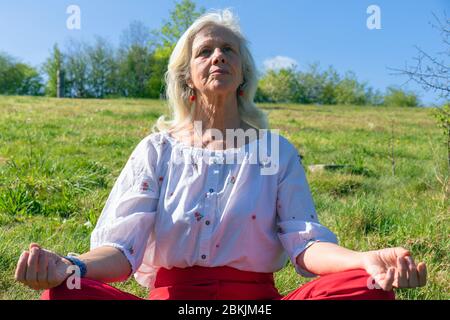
<point x="106" y="264"/>
<point x="326" y="257"/>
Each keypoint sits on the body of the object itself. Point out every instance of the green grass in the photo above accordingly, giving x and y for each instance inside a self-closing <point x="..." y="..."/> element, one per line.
<point x="59" y="159"/>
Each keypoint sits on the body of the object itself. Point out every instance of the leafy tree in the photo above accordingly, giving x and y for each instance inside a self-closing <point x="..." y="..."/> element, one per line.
<point x="400" y="98"/>
<point x="102" y="78"/>
<point x="279" y="85"/>
<point x="9" y="78"/>
<point x="77" y="69"/>
<point x="315" y="86"/>
<point x="261" y="96"/>
<point x="374" y="97"/>
<point x="135" y="61"/>
<point x="31" y="81"/>
<point x="50" y="68"/>
<point x="134" y="71"/>
<point x="330" y="79"/>
<point x="311" y="85"/>
<point x="181" y="18"/>
<point x="18" y="78"/>
<point x="159" y="67"/>
<point x="183" y="15"/>
<point x="350" y="91"/>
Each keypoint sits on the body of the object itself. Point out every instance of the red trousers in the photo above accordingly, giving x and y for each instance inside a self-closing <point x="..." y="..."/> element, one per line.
<point x="226" y="283"/>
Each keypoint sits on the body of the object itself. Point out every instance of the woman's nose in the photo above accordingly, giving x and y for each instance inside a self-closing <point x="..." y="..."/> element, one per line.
<point x="218" y="56"/>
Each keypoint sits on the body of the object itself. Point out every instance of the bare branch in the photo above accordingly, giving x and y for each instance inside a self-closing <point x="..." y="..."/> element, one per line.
<point x="429" y="71"/>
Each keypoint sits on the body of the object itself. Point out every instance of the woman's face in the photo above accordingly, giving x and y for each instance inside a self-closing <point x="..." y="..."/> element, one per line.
<point x="216" y="66"/>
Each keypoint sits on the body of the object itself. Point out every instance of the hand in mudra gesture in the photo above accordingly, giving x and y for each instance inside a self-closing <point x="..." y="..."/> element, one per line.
<point x="395" y="268"/>
<point x="39" y="268"/>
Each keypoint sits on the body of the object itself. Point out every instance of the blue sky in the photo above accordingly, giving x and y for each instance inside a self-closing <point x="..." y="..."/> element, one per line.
<point x="324" y="31"/>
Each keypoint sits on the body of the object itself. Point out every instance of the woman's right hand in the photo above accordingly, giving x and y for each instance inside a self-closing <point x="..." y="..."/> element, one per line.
<point x="39" y="268"/>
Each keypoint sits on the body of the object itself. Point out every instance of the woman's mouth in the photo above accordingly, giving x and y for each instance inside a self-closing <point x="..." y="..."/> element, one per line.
<point x="219" y="72"/>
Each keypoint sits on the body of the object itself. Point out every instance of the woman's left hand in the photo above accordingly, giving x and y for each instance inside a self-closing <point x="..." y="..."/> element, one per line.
<point x="394" y="268"/>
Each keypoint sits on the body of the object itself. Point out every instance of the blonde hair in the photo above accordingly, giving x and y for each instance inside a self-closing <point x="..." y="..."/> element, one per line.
<point x="178" y="72"/>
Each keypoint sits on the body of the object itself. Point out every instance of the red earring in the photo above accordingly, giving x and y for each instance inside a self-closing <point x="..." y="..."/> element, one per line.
<point x="192" y="98"/>
<point x="241" y="92"/>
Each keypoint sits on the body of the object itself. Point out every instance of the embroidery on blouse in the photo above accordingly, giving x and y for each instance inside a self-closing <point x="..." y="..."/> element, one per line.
<point x="198" y="216"/>
<point x="144" y="186"/>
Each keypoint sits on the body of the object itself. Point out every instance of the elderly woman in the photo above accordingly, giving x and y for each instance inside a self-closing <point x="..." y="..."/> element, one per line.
<point x="189" y="225"/>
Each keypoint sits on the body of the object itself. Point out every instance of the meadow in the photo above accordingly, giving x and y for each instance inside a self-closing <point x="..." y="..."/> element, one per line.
<point x="60" y="157"/>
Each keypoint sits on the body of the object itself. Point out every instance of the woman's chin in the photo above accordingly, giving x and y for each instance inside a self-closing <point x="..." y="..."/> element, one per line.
<point x="221" y="89"/>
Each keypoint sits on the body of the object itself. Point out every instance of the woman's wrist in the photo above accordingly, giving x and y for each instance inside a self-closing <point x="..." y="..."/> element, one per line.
<point x="361" y="258"/>
<point x="324" y="257"/>
<point x="366" y="257"/>
<point x="79" y="263"/>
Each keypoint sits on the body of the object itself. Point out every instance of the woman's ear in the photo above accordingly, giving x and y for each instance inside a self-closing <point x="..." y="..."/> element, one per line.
<point x="189" y="83"/>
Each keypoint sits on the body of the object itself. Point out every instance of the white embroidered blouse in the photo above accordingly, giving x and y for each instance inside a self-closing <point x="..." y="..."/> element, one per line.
<point x="208" y="211"/>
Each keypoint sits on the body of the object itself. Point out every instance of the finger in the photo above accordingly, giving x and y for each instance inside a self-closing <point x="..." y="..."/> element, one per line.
<point x="21" y="269"/>
<point x="57" y="272"/>
<point x="422" y="272"/>
<point x="388" y="280"/>
<point x="32" y="265"/>
<point x="42" y="269"/>
<point x="413" y="277"/>
<point x="34" y="245"/>
<point x="52" y="278"/>
<point x="402" y="273"/>
<point x="401" y="252"/>
<point x="378" y="279"/>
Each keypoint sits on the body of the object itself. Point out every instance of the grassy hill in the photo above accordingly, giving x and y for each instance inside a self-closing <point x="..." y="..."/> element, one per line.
<point x="60" y="158"/>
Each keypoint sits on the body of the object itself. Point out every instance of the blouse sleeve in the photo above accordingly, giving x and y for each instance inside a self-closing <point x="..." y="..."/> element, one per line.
<point x="298" y="224"/>
<point x="129" y="213"/>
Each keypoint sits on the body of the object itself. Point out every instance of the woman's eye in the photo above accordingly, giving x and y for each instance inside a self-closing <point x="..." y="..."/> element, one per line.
<point x="204" y="51"/>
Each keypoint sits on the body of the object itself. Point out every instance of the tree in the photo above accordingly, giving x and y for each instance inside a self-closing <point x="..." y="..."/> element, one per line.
<point x="316" y="86"/>
<point x="350" y="91"/>
<point x="279" y="85"/>
<point x="31" y="84"/>
<point x="181" y="18"/>
<point x="183" y="15"/>
<point x="330" y="79"/>
<point x="442" y="116"/>
<point x="134" y="71"/>
<point x="156" y="83"/>
<point x="18" y="78"/>
<point x="136" y="34"/>
<point x="135" y="60"/>
<point x="102" y="75"/>
<point x="374" y="97"/>
<point x="9" y="78"/>
<point x="400" y="98"/>
<point x="260" y="95"/>
<point x="432" y="72"/>
<point x="50" y="68"/>
<point x="77" y="69"/>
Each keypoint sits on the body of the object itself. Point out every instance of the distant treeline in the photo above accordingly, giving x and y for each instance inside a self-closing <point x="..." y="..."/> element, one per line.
<point x="314" y="86"/>
<point x="136" y="69"/>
